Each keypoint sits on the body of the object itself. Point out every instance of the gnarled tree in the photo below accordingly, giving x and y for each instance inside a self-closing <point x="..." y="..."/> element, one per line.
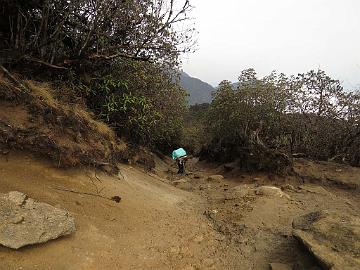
<point x="309" y="114"/>
<point x="58" y="32"/>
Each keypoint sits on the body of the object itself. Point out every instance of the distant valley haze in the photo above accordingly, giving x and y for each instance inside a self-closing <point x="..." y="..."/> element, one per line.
<point x="288" y="36"/>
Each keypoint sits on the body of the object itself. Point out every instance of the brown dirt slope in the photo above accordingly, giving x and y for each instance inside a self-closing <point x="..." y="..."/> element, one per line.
<point x="328" y="173"/>
<point x="38" y="122"/>
<point x="164" y="221"/>
<point x="155" y="226"/>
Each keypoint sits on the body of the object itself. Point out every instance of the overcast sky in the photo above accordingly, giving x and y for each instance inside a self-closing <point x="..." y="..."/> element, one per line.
<point x="289" y="36"/>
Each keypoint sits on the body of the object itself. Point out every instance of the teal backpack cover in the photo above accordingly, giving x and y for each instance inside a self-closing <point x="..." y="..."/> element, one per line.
<point x="178" y="153"/>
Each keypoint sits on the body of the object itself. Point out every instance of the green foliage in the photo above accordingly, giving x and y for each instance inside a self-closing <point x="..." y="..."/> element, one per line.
<point x="309" y="114"/>
<point x="194" y="136"/>
<point x="119" y="56"/>
<point x="57" y="30"/>
<point x="142" y="103"/>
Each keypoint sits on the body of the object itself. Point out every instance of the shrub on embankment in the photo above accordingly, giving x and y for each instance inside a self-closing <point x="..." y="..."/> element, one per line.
<point x="115" y="58"/>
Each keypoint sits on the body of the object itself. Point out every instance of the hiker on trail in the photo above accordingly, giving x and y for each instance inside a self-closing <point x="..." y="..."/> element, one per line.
<point x="180" y="156"/>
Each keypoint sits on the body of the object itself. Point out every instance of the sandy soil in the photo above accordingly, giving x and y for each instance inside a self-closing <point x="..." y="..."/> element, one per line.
<point x="156" y="226"/>
<point x="164" y="223"/>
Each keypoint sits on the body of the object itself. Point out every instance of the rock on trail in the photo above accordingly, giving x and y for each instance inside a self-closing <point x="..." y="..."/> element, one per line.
<point x="333" y="238"/>
<point x="24" y="221"/>
<point x="271" y="192"/>
<point x="215" y="178"/>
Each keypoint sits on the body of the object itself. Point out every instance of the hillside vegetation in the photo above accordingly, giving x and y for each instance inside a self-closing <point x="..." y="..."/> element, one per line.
<point x="119" y="62"/>
<point x="92" y="105"/>
<point x="265" y="121"/>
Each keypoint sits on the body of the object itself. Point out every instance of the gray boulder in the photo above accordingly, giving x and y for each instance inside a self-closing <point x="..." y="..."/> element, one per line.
<point x="24" y="221"/>
<point x="241" y="191"/>
<point x="333" y="238"/>
<point x="215" y="178"/>
<point x="271" y="192"/>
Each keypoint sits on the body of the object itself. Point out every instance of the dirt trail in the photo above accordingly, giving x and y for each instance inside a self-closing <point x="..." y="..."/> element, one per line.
<point x="156" y="226"/>
<point x="164" y="221"/>
<point x="259" y="228"/>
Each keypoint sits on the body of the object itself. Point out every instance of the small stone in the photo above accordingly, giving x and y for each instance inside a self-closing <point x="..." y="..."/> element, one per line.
<point x="271" y="191"/>
<point x="241" y="191"/>
<point x="288" y="187"/>
<point x="216" y="178"/>
<point x="17" y="198"/>
<point x="219" y="237"/>
<point x="116" y="199"/>
<point x="198" y="238"/>
<point x="180" y="181"/>
<point x="16" y="220"/>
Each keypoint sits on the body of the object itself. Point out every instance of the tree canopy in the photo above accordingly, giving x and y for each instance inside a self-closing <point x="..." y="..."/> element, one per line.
<point x="309" y="114"/>
<point x="61" y="32"/>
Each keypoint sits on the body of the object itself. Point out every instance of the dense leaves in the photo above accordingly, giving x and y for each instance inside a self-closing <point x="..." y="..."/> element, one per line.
<point x="120" y="56"/>
<point x="142" y="102"/>
<point x="309" y="114"/>
<point x="59" y="31"/>
<point x="194" y="136"/>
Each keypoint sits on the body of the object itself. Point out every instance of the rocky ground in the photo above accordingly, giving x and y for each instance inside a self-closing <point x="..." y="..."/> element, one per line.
<point x="256" y="218"/>
<point x="211" y="218"/>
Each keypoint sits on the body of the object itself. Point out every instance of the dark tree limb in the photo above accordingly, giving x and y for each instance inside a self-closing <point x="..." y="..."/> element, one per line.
<point x="113" y="56"/>
<point x="116" y="199"/>
<point x="23" y="88"/>
<point x="28" y="58"/>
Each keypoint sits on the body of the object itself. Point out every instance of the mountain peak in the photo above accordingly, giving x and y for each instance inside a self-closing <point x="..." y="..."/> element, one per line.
<point x="199" y="91"/>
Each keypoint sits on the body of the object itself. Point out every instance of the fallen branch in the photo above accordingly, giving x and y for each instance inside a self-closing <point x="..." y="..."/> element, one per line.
<point x="298" y="155"/>
<point x="28" y="58"/>
<point x="14" y="80"/>
<point x="117" y="55"/>
<point x="116" y="199"/>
